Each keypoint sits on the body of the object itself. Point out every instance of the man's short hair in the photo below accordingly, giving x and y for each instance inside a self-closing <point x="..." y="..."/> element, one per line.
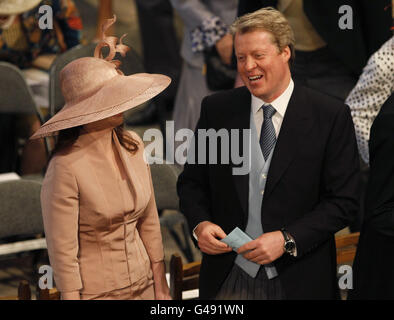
<point x="272" y="21"/>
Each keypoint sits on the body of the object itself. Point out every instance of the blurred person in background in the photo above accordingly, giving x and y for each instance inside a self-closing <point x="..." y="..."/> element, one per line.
<point x="206" y="25"/>
<point x="161" y="55"/>
<point x="373" y="267"/>
<point x="372" y="106"/>
<point x="25" y="45"/>
<point x="373" y="88"/>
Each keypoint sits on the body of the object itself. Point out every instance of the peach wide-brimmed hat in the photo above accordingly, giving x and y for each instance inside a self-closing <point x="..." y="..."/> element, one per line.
<point x="94" y="88"/>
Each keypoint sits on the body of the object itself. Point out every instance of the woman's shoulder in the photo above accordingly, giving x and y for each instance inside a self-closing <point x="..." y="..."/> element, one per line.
<point x="65" y="158"/>
<point x="60" y="170"/>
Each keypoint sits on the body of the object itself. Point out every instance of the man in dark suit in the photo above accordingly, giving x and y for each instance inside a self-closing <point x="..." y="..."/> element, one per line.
<point x="334" y="40"/>
<point x="302" y="182"/>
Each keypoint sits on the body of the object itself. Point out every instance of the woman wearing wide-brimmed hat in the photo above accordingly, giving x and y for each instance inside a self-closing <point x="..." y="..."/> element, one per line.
<point x="100" y="217"/>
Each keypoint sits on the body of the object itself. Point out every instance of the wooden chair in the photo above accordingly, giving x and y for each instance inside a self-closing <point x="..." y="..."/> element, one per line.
<point x="48" y="294"/>
<point x="183" y="277"/>
<point x="346" y="247"/>
<point x="24" y="292"/>
<point x="16" y="99"/>
<point x="21" y="226"/>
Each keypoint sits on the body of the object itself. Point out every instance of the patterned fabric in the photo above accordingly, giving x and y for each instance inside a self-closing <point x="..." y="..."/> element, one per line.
<point x="206" y="35"/>
<point x="375" y="85"/>
<point x="67" y="27"/>
<point x="267" y="136"/>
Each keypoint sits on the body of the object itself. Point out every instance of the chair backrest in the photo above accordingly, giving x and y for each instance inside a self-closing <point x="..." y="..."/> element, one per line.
<point x="20" y="209"/>
<point x="164" y="178"/>
<point x="183" y="277"/>
<point x="48" y="294"/>
<point x="24" y="292"/>
<point x="346" y="247"/>
<point x="16" y="95"/>
<point x="131" y="64"/>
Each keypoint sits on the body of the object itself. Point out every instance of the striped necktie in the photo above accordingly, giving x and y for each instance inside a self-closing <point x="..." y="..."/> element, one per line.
<point x="267" y="135"/>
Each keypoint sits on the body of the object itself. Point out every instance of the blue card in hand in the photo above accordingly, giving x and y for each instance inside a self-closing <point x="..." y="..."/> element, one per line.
<point x="236" y="238"/>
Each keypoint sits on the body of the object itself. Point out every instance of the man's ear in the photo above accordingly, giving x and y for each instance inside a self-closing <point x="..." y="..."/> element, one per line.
<point x="286" y="54"/>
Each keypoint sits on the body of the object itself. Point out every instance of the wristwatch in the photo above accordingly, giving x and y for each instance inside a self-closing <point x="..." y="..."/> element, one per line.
<point x="289" y="245"/>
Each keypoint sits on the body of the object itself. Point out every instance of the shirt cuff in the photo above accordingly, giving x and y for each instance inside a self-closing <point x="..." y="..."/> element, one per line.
<point x="194" y="234"/>
<point x="207" y="34"/>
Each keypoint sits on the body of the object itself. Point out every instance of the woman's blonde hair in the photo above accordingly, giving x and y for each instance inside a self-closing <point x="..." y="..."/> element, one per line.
<point x="270" y="20"/>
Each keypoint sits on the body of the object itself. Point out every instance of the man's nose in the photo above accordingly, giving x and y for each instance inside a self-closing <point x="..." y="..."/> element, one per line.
<point x="250" y="64"/>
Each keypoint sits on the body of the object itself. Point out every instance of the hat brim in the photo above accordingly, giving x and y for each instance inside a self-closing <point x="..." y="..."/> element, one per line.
<point x="118" y="96"/>
<point x="8" y="9"/>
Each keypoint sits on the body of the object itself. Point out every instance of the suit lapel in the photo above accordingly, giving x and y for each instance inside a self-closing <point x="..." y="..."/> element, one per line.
<point x="294" y="126"/>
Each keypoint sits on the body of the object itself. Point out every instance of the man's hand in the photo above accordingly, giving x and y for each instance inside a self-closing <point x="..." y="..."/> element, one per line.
<point x="265" y="249"/>
<point x="224" y="48"/>
<point x="207" y="234"/>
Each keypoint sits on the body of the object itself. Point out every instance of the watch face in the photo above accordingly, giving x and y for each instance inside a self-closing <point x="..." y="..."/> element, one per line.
<point x="289" y="246"/>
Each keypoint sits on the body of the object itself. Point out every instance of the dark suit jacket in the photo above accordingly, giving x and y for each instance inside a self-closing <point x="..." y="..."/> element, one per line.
<point x="380" y="192"/>
<point x="311" y="188"/>
<point x="371" y="26"/>
<point x="374" y="262"/>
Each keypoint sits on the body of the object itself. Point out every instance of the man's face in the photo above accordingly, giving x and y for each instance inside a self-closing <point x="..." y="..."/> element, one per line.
<point x="263" y="69"/>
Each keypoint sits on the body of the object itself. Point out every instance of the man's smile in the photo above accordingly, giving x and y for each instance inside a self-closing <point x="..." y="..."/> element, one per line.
<point x="255" y="78"/>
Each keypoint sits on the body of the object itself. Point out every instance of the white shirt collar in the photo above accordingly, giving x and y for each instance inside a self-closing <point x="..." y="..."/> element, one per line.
<point x="280" y="103"/>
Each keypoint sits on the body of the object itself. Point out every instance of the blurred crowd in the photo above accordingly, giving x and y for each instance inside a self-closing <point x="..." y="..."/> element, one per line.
<point x="328" y="58"/>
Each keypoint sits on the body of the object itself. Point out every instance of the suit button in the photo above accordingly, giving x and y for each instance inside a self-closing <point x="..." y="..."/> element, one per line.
<point x="264" y="176"/>
<point x="262" y="192"/>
